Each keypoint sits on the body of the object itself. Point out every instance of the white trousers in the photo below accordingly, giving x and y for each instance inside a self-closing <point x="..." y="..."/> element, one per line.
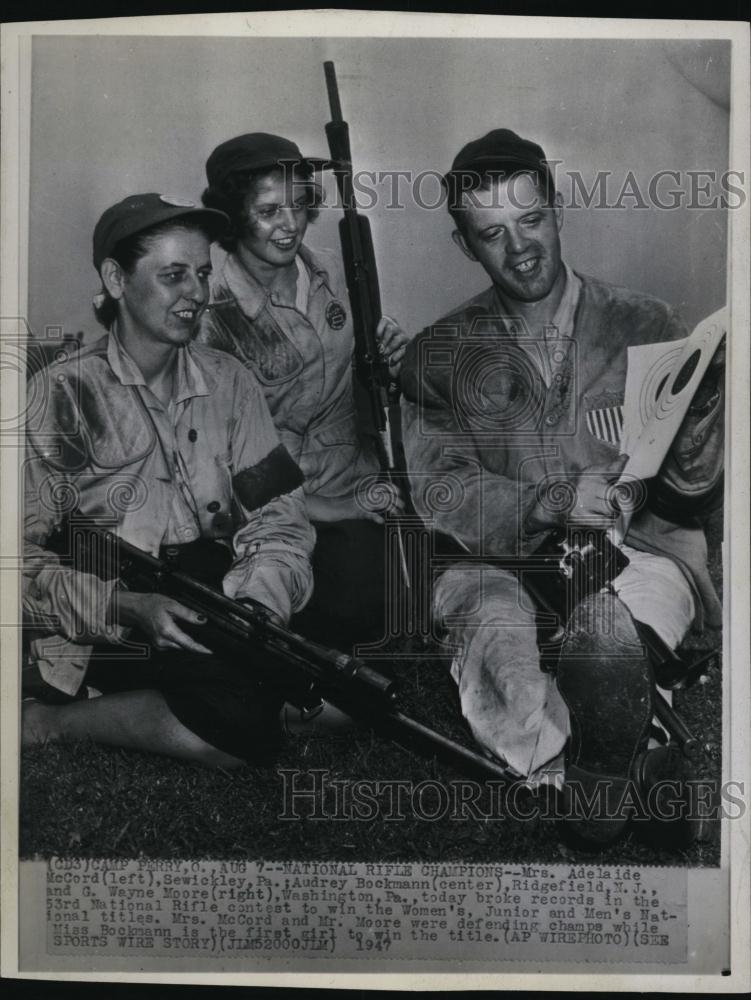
<point x="512" y="707"/>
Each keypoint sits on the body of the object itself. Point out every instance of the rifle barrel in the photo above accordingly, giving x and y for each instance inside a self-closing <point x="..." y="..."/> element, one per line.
<point x="330" y="666"/>
<point x="333" y="90"/>
<point x="433" y="743"/>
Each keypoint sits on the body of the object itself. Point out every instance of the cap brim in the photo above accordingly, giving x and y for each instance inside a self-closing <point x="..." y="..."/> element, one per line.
<point x="317" y="163"/>
<point x="217" y="221"/>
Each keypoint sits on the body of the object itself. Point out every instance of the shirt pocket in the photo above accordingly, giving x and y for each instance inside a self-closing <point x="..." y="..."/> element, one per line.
<point x="260" y="344"/>
<point x="333" y="457"/>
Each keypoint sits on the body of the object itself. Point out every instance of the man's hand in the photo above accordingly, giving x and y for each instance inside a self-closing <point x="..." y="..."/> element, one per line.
<point x="390" y="501"/>
<point x="584" y="497"/>
<point x="689" y="483"/>
<point x="594" y="495"/>
<point x="709" y="391"/>
<point x="392" y="343"/>
<point x="371" y="505"/>
<point x="156" y="616"/>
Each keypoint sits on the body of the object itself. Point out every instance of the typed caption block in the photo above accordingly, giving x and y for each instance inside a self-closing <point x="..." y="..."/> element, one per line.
<point x="308" y="910"/>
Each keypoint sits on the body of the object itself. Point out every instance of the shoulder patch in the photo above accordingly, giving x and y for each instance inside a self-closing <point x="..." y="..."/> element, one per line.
<point x="336" y="315"/>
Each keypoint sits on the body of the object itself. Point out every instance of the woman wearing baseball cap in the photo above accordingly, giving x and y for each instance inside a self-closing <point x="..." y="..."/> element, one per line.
<point x="171" y="446"/>
<point x="283" y="310"/>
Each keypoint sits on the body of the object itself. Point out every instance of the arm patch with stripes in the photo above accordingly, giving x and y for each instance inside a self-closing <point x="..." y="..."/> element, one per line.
<point x="272" y="477"/>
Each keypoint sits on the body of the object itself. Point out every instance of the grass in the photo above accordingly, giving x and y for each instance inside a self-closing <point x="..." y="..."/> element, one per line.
<point x="80" y="799"/>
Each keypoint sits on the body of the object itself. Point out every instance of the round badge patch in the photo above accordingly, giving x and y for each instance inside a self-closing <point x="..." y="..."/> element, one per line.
<point x="336" y="316"/>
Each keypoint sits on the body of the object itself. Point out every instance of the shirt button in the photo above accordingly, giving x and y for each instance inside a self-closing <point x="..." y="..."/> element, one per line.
<point x="213" y="507"/>
<point x="192" y="434"/>
<point x="550" y="420"/>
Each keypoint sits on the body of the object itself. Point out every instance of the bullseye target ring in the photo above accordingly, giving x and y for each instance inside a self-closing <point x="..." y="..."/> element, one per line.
<point x="655" y="382"/>
<point x="684" y="381"/>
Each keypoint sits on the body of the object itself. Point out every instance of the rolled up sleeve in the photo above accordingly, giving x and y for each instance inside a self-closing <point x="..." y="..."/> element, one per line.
<point x="58" y="597"/>
<point x="274" y="544"/>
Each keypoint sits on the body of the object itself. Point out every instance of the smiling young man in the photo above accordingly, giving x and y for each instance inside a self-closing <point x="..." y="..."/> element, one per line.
<point x="514" y="400"/>
<point x="283" y="310"/>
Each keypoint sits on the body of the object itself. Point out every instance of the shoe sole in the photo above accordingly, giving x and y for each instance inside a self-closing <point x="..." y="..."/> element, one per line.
<point x="611" y="704"/>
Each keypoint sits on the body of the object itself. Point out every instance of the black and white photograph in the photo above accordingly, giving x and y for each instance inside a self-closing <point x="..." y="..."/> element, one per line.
<point x="374" y="546"/>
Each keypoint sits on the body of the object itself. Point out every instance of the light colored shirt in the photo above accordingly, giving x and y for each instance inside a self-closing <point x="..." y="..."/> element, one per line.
<point x="302" y="356"/>
<point x="549" y="347"/>
<point x="182" y="521"/>
<point x="104" y="448"/>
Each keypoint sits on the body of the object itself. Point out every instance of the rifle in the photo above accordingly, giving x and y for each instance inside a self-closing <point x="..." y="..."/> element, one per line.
<point x="371" y="368"/>
<point x="306" y="671"/>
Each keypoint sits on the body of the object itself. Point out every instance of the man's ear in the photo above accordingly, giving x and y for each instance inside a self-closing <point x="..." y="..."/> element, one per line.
<point x="113" y="277"/>
<point x="458" y="237"/>
<point x="558" y="210"/>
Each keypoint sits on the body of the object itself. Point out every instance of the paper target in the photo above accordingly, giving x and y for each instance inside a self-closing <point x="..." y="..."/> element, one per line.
<point x="674" y="394"/>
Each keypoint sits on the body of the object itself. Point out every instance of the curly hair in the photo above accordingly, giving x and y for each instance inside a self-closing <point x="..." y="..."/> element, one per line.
<point x="230" y="197"/>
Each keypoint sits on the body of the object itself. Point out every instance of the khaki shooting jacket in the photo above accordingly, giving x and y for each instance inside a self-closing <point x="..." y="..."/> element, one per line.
<point x="483" y="430"/>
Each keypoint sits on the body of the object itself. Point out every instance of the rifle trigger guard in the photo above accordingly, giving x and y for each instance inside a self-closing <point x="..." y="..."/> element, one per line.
<point x="306" y="714"/>
<point x="263" y="613"/>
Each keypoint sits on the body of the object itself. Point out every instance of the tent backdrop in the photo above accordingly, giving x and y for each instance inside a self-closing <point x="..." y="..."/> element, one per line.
<point x="112" y="116"/>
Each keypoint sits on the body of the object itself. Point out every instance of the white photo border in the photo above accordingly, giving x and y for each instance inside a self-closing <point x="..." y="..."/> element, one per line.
<point x="14" y="213"/>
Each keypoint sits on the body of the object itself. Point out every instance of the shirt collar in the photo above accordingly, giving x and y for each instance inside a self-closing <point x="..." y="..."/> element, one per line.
<point x="563" y="320"/>
<point x="566" y="311"/>
<point x="189" y="378"/>
<point x="319" y="275"/>
<point x="251" y="295"/>
<point x="126" y="370"/>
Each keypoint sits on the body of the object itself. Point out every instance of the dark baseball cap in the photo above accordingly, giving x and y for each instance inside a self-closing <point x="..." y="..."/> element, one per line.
<point x="500" y="148"/>
<point x="254" y="151"/>
<point x="138" y="212"/>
